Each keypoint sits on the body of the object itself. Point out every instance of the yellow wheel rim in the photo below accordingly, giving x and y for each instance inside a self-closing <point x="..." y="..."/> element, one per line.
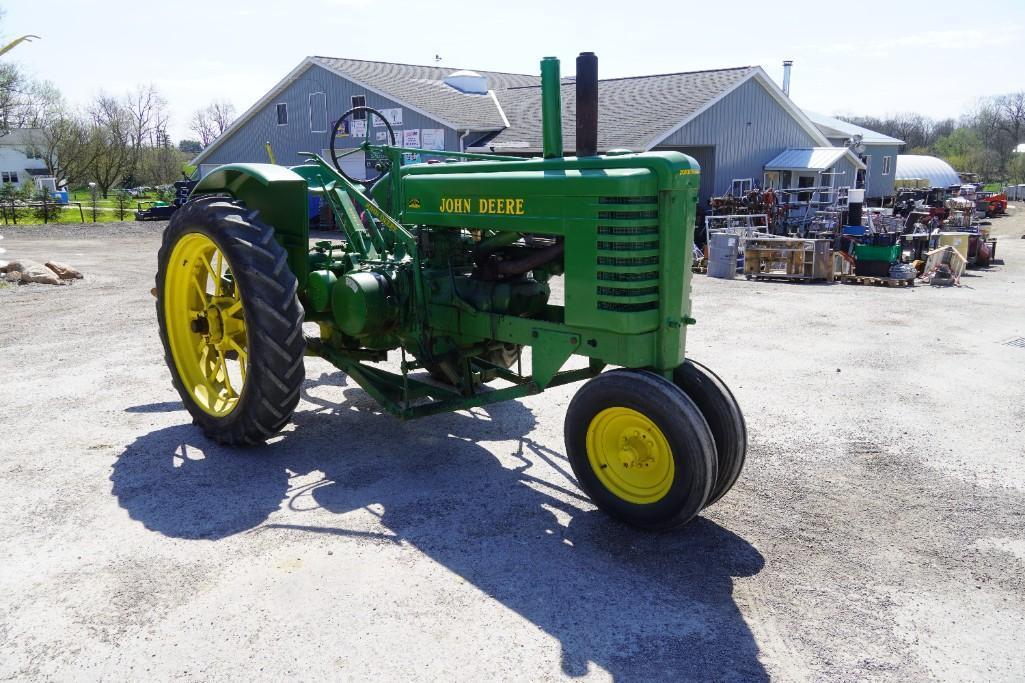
<point x="630" y="455"/>
<point x="205" y="324"/>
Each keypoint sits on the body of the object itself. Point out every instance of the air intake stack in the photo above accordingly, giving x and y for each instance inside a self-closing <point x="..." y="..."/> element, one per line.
<point x="551" y="108"/>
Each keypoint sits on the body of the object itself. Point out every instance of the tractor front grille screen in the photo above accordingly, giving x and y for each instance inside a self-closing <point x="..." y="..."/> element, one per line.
<point x="626" y="215"/>
<point x="629" y="277"/>
<point x="627" y="229"/>
<point x="627" y="248"/>
<point x="612" y="261"/>
<point x="628" y="200"/>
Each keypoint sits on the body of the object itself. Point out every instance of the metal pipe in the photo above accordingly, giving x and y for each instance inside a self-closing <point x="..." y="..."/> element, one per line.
<point x="787" y="63"/>
<point x="534" y="259"/>
<point x="587" y="105"/>
<point x="551" y="108"/>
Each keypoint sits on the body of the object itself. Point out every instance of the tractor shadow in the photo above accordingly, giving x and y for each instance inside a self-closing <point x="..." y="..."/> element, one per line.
<point x="642" y="606"/>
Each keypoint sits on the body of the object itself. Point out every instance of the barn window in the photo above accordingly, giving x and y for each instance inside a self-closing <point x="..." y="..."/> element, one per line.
<point x="359" y="101"/>
<point x="886" y="165"/>
<point x="282" y="114"/>
<point x="9" y="177"/>
<point x="318" y="112"/>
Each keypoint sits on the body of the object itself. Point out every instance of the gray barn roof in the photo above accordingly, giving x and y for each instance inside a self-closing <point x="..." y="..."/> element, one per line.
<point x="836" y="128"/>
<point x="424" y="88"/>
<point x="811" y="159"/>
<point x="634" y="112"/>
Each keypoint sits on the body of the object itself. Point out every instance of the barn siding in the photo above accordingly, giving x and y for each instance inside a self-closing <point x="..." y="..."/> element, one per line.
<point x="876" y="184"/>
<point x="747" y="128"/>
<point x="849" y="173"/>
<point x="247" y="143"/>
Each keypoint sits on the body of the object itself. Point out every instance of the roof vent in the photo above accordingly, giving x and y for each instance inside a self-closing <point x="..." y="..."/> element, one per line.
<point x="469" y="82"/>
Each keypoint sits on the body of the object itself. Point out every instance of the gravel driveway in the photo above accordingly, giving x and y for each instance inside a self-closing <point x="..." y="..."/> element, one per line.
<point x="878" y="531"/>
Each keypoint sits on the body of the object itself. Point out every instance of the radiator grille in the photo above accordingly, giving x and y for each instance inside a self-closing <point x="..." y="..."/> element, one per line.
<point x="627" y="246"/>
<point x="627" y="230"/>
<point x="625" y="307"/>
<point x="627" y="237"/>
<point x="626" y="291"/>
<point x="628" y="277"/>
<point x="626" y="215"/>
<point x="628" y="200"/>
<point x="614" y="261"/>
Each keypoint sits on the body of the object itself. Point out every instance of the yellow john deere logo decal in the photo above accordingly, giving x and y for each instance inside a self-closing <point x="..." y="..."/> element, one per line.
<point x="689" y="171"/>
<point x="507" y="206"/>
<point x="414" y="203"/>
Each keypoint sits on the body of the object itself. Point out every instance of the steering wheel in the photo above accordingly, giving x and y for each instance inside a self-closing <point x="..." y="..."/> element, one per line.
<point x="343" y="129"/>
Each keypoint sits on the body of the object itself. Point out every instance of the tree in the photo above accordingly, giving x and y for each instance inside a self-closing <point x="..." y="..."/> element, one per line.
<point x="201" y="125"/>
<point x="1011" y="116"/>
<point x="14" y="100"/>
<point x="110" y="137"/>
<point x="1016" y="168"/>
<point x="210" y="122"/>
<point x="63" y="139"/>
<point x="190" y="146"/>
<point x="146" y="111"/>
<point x="222" y="113"/>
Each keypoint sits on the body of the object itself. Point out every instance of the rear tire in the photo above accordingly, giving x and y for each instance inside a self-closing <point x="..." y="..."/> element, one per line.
<point x="640" y="449"/>
<point x="266" y="321"/>
<point x="722" y="413"/>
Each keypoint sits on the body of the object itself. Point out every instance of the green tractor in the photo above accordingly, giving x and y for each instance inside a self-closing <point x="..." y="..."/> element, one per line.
<point x="448" y="267"/>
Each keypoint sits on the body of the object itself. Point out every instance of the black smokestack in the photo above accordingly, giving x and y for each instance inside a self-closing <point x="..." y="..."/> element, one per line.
<point x="587" y="105"/>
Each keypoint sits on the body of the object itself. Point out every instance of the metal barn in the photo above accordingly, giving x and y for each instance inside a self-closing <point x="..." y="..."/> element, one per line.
<point x="732" y="121"/>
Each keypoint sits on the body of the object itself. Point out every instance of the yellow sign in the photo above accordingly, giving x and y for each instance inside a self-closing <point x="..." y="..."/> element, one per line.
<point x="505" y="206"/>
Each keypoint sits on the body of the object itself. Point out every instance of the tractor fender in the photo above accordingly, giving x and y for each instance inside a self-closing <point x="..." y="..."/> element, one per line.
<point x="278" y="194"/>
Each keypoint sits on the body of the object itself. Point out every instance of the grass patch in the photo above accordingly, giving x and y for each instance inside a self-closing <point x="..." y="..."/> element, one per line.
<point x="70" y="214"/>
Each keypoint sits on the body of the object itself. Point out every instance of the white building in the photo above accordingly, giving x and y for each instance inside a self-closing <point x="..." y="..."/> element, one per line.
<point x="21" y="161"/>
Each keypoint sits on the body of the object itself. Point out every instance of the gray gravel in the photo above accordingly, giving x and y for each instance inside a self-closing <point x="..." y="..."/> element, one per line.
<point x="876" y="533"/>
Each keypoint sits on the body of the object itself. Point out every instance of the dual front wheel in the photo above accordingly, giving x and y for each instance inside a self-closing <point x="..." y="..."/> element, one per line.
<point x="652" y="452"/>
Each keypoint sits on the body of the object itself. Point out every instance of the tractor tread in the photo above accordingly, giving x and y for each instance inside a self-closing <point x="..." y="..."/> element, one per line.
<point x="276" y="344"/>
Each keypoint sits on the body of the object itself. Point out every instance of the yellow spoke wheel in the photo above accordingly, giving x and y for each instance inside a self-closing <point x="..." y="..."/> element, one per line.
<point x="640" y="448"/>
<point x="230" y="321"/>
<point x="206" y="324"/>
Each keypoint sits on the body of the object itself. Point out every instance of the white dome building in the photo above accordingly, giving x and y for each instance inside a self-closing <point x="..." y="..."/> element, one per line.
<point x="915" y="167"/>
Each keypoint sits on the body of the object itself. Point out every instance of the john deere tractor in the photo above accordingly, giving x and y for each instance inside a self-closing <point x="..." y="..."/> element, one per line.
<point x="438" y="298"/>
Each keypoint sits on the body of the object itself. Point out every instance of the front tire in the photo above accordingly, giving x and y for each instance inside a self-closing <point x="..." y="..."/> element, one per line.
<point x="722" y="413"/>
<point x="640" y="449"/>
<point x="230" y="321"/>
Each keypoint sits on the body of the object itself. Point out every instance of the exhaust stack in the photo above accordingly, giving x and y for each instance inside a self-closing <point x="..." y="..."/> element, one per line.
<point x="587" y="105"/>
<point x="551" y="108"/>
<point x="787" y="63"/>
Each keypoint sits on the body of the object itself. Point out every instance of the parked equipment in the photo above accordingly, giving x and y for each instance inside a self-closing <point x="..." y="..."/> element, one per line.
<point x="450" y="265"/>
<point x="161" y="211"/>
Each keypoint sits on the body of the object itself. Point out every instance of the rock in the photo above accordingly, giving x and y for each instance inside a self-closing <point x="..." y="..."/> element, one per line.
<point x="10" y="266"/>
<point x="37" y="272"/>
<point x="64" y="271"/>
<point x="12" y="276"/>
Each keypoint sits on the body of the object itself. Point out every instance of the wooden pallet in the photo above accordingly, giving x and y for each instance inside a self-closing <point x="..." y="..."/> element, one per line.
<point x="785" y="277"/>
<point x="878" y="281"/>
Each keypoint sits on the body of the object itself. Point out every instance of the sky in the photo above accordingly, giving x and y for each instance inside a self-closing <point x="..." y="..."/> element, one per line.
<point x="868" y="58"/>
